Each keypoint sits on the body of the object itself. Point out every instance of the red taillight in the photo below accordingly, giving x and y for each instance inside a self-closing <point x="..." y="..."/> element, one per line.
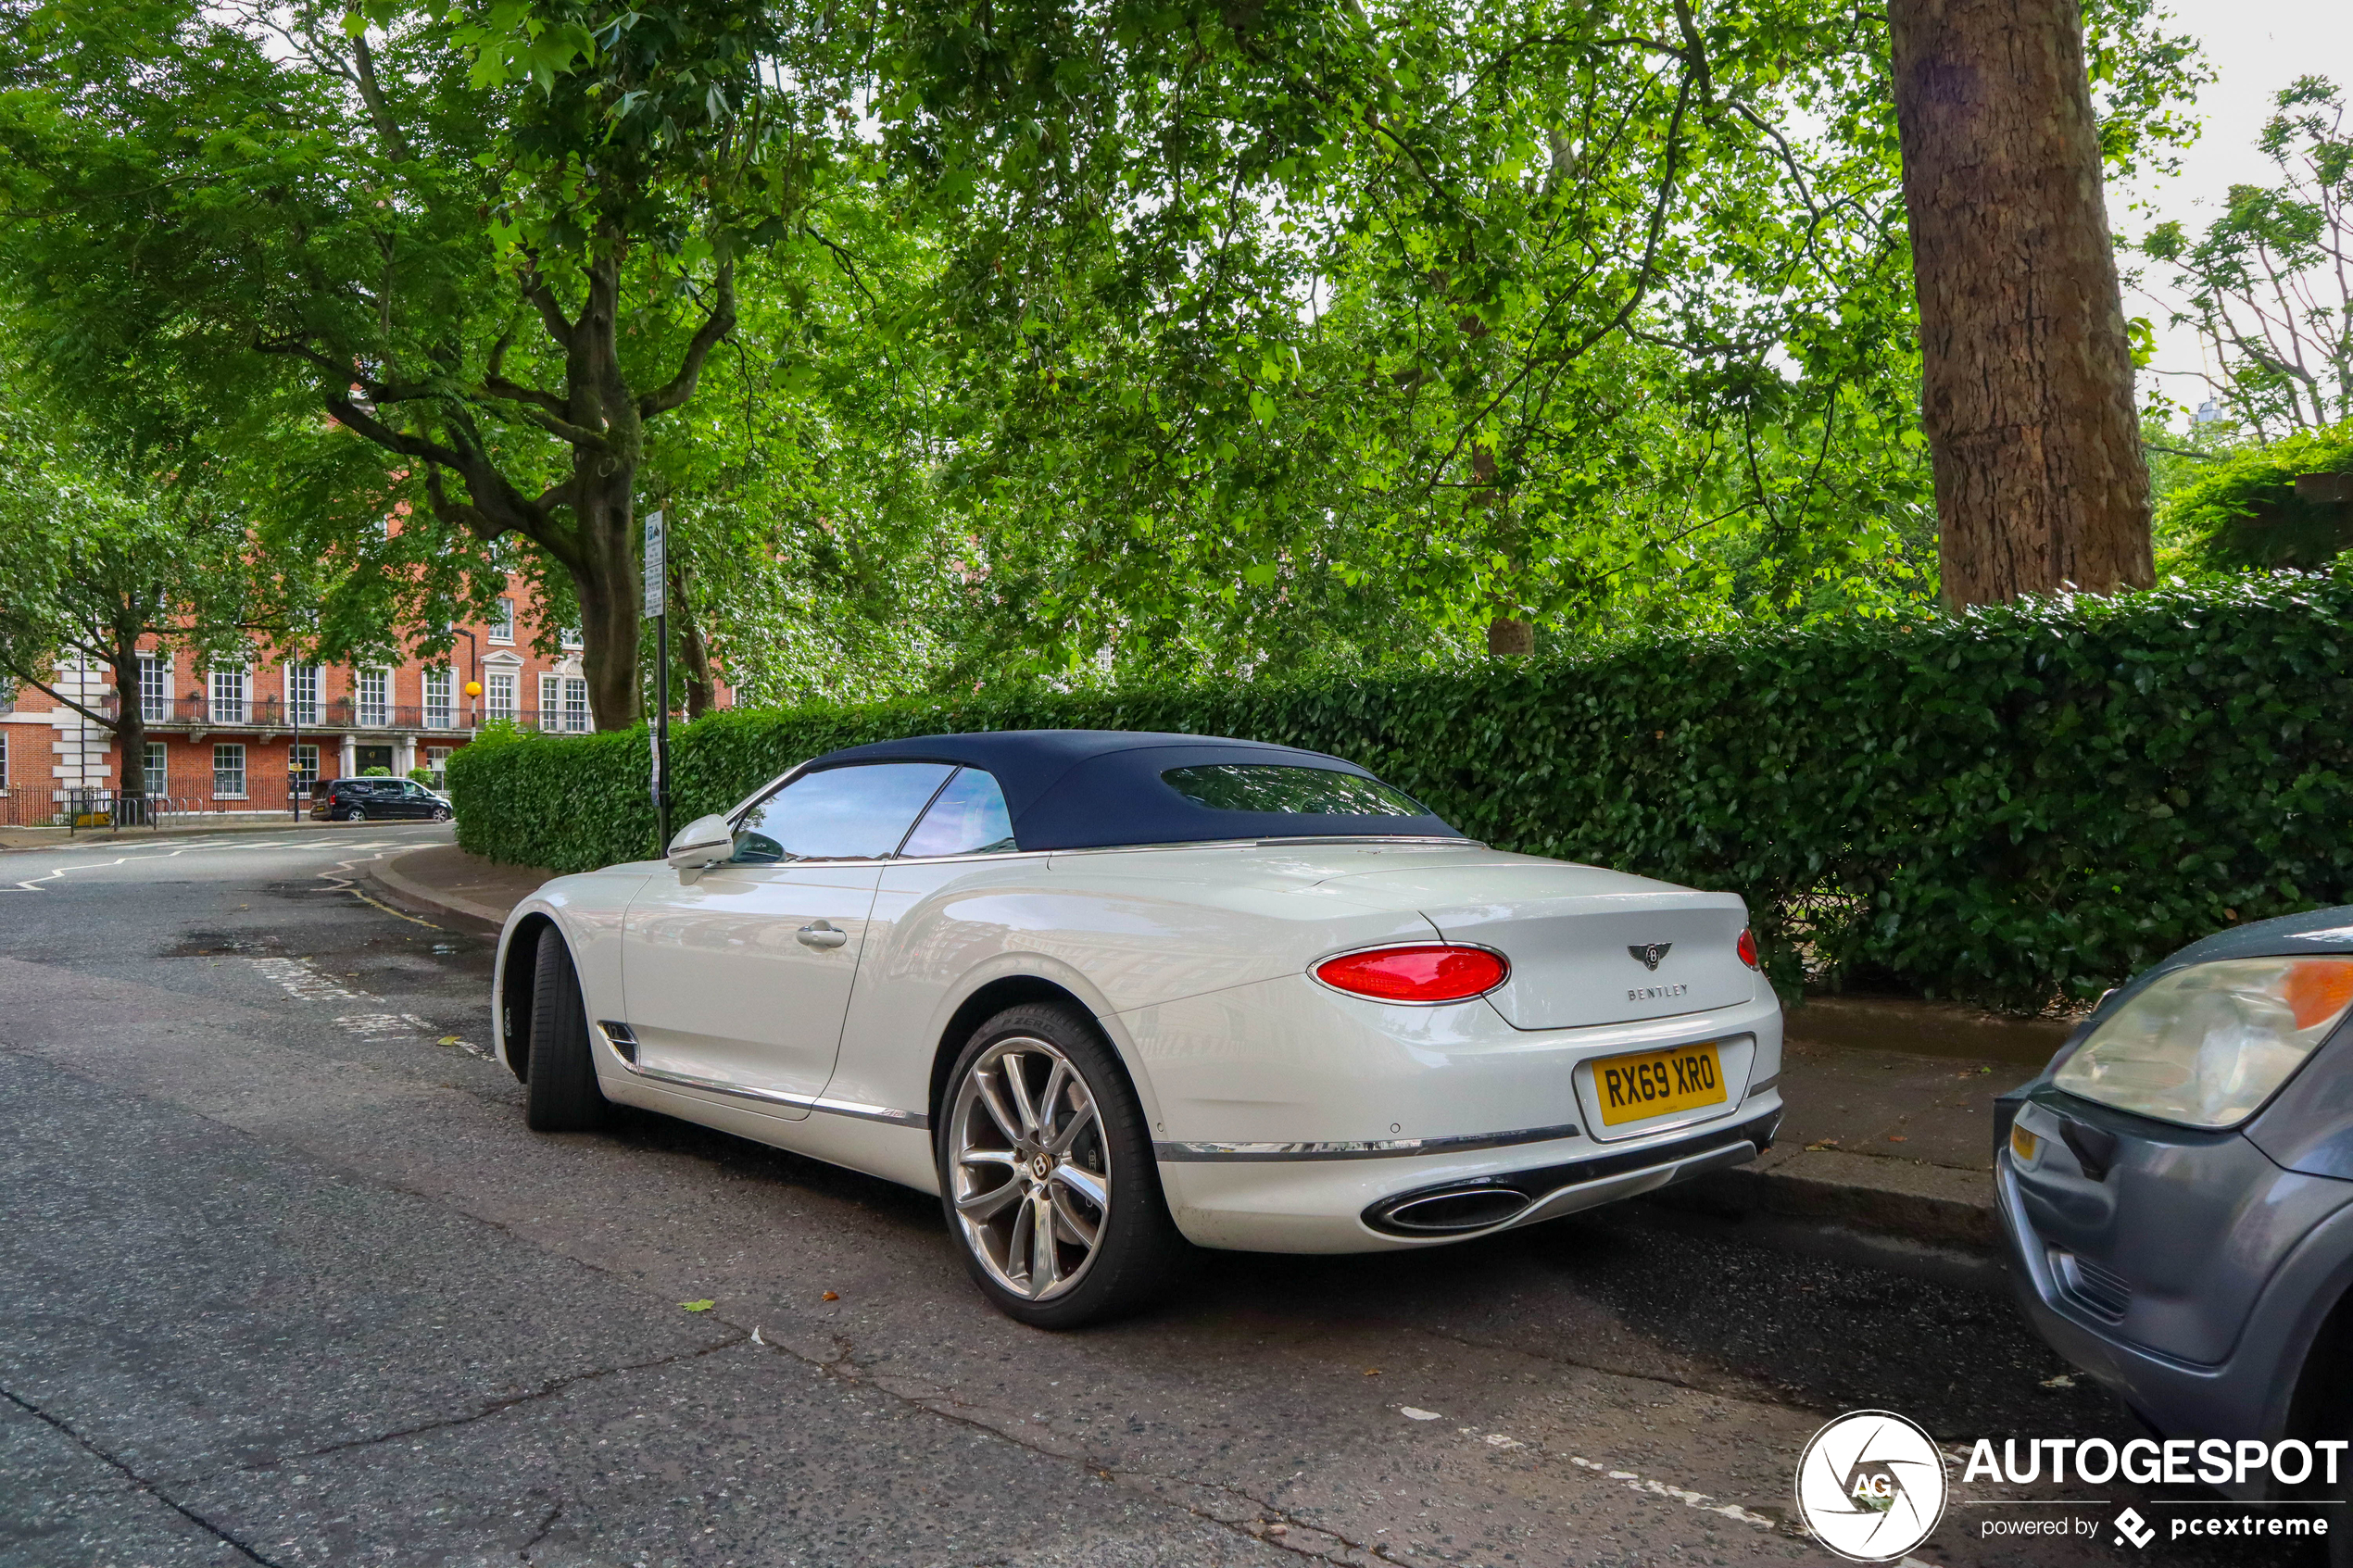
<point x="1747" y="948"/>
<point x="1431" y="973"/>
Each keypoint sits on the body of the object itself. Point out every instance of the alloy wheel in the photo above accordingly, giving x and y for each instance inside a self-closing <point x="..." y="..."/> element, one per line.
<point x="1030" y="1174"/>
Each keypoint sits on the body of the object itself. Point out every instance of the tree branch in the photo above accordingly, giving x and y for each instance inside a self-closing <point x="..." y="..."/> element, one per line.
<point x="721" y="322"/>
<point x="543" y="299"/>
<point x="45" y="687"/>
<point x="372" y="94"/>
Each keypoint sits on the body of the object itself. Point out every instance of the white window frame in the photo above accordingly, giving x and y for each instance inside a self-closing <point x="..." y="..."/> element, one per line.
<point x="377" y="716"/>
<point x="296" y="765"/>
<point x="241" y="678"/>
<point x="154" y="769"/>
<point x="552" y="703"/>
<point x="437" y="763"/>
<point x="155" y="688"/>
<point x="440" y="697"/>
<point x="314" y="714"/>
<point x="498" y="695"/>
<point x="220" y="750"/>
<point x="577" y="720"/>
<point x="3" y="757"/>
<point x="502" y="628"/>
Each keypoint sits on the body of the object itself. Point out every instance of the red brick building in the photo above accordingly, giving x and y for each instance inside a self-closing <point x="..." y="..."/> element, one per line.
<point x="223" y="737"/>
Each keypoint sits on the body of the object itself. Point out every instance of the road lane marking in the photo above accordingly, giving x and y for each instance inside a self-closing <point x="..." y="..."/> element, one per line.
<point x="301" y="980"/>
<point x="1700" y="1500"/>
<point x="31" y="884"/>
<point x="383" y="1025"/>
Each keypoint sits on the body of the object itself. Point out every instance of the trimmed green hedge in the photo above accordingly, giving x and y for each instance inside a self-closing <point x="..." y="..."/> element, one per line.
<point x="2018" y="805"/>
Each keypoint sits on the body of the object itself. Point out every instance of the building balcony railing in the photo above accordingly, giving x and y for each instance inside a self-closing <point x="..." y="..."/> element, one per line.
<point x="201" y="710"/>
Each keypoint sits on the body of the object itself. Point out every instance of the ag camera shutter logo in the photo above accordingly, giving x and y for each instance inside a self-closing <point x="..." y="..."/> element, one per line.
<point x="1871" y="1486"/>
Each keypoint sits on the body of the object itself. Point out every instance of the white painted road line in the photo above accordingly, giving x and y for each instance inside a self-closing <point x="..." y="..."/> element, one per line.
<point x="33" y="884"/>
<point x="301" y="980"/>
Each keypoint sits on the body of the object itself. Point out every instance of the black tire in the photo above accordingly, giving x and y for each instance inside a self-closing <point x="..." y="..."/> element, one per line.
<point x="1137" y="1246"/>
<point x="560" y="1093"/>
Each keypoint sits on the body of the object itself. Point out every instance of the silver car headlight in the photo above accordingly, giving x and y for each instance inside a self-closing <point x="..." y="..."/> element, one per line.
<point x="2205" y="1046"/>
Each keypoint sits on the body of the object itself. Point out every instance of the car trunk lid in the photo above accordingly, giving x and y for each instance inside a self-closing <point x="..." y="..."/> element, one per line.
<point x="1586" y="946"/>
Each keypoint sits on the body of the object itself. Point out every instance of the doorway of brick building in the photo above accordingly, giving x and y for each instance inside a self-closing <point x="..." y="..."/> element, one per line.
<point x="366" y="757"/>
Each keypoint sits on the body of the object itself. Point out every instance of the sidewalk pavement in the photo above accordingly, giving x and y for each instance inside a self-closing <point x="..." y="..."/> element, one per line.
<point x="1890" y="1118"/>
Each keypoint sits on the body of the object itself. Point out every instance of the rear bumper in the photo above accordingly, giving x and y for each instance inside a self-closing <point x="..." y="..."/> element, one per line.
<point x="1285" y="1114"/>
<point x="1368" y="1204"/>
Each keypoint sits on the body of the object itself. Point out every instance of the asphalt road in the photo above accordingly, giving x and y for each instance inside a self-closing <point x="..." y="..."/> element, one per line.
<point x="284" y="1280"/>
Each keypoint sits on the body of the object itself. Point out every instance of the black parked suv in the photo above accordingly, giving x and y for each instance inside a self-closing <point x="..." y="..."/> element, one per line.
<point x="360" y="800"/>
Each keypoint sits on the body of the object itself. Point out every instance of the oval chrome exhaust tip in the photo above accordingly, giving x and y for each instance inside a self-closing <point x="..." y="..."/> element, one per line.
<point x="1447" y="1210"/>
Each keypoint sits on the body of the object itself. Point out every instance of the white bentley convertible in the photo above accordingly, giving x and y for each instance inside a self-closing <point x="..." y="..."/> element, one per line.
<point x="1104" y="991"/>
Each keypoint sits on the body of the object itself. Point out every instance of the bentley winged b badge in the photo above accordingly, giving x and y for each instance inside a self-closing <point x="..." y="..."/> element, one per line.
<point x="1650" y="953"/>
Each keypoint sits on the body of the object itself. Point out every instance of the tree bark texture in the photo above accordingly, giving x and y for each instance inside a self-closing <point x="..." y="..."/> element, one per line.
<point x="693" y="654"/>
<point x="131" y="721"/>
<point x="2027" y="385"/>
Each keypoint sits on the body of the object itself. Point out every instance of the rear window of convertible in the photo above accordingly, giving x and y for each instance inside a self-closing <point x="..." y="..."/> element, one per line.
<point x="1290" y="791"/>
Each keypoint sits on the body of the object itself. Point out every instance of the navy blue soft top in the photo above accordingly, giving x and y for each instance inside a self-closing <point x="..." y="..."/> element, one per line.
<point x="1089" y="789"/>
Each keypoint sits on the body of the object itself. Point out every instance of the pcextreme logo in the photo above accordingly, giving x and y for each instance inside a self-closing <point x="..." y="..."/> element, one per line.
<point x="1871" y="1486"/>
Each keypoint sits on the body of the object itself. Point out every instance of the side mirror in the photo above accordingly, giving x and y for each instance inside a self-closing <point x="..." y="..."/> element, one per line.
<point x="702" y="844"/>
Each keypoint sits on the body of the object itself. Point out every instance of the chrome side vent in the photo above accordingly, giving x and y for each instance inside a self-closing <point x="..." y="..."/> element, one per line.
<point x="2102" y="1292"/>
<point x="618" y="1036"/>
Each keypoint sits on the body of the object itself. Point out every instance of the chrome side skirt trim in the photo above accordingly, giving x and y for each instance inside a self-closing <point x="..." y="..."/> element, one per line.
<point x="909" y="1119"/>
<point x="1369" y="1148"/>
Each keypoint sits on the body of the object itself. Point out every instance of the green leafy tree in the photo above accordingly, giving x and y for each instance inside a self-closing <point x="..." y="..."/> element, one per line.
<point x="496" y="242"/>
<point x="106" y="563"/>
<point x="2270" y="283"/>
<point x="1291" y="333"/>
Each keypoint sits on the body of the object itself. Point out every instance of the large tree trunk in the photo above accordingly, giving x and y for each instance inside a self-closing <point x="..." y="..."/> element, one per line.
<point x="2027" y="390"/>
<point x="693" y="654"/>
<point x="130" y="725"/>
<point x="611" y="599"/>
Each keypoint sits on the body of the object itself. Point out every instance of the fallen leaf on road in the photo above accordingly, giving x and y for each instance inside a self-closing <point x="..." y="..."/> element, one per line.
<point x="1897" y="1138"/>
<point x="830" y="1296"/>
<point x="449" y="1039"/>
<point x="1410" y="1414"/>
<point x="1372" y="1372"/>
<point x="2061" y="1380"/>
<point x="699" y="1306"/>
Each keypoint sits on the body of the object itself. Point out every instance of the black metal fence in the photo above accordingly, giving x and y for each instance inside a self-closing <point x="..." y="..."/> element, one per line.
<point x="87" y="810"/>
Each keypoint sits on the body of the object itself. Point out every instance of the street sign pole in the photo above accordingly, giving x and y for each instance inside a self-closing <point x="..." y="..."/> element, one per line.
<point x="658" y="607"/>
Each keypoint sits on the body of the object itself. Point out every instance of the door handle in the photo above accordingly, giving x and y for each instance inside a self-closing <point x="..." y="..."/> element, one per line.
<point x="818" y="933"/>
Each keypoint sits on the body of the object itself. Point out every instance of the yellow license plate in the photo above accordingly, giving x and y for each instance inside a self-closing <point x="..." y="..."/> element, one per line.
<point x="1633" y="1088"/>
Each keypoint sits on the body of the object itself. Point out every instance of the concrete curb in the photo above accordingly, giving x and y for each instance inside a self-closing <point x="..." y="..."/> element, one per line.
<point x="1932" y="1204"/>
<point x="416" y="899"/>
